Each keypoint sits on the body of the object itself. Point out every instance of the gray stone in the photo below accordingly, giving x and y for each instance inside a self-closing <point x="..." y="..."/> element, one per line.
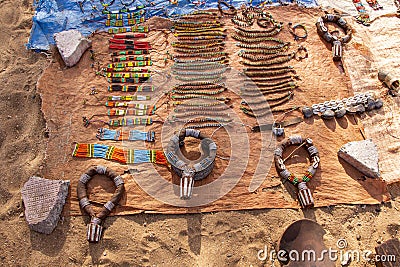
<point x="71" y="45"/>
<point x="370" y="105"/>
<point x="328" y="114"/>
<point x="360" y="109"/>
<point x="362" y="155"/>
<point x="340" y="113"/>
<point x="307" y="112"/>
<point x="44" y="200"/>
<point x="378" y="103"/>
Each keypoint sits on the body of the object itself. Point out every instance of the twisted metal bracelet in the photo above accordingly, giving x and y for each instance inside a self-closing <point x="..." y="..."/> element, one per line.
<point x="231" y="9"/>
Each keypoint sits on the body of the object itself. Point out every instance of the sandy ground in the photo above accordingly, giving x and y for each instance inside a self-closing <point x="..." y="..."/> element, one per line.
<point x="209" y="239"/>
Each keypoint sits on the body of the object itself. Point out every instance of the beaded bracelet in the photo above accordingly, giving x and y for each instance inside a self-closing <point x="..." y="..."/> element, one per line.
<point x="267" y="79"/>
<point x="128" y="112"/>
<point x="208" y="33"/>
<point x="197" y="92"/>
<point x="267" y="73"/>
<point x="218" y="60"/>
<point x="210" y="49"/>
<point x="262" y="51"/>
<point x="198" y="47"/>
<point x="201" y="108"/>
<point x="198" y="42"/>
<point x="125" y="156"/>
<point x="205" y="125"/>
<point x="200" y="97"/>
<point x="132" y="135"/>
<point x="129" y="98"/>
<point x="304" y="194"/>
<point x="130" y="122"/>
<point x="285" y="59"/>
<point x="199" y="104"/>
<point x="363" y="16"/>
<point x="131" y="88"/>
<point x="200" y="38"/>
<point x="126" y="104"/>
<point x="204" y="31"/>
<point x="197" y="87"/>
<point x="198" y="66"/>
<point x="374" y="4"/>
<point x="200" y="113"/>
<point x="253" y="57"/>
<point x="128" y="80"/>
<point x="137" y="28"/>
<point x="201" y="72"/>
<point x="131" y="58"/>
<point x="252" y="40"/>
<point x="210" y="78"/>
<point x="282" y="44"/>
<point x="205" y="119"/>
<point x="277" y="83"/>
<point x="130" y="52"/>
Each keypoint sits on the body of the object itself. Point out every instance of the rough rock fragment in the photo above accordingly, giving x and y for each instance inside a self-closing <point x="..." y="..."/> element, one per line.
<point x="362" y="155"/>
<point x="44" y="200"/>
<point x="71" y="45"/>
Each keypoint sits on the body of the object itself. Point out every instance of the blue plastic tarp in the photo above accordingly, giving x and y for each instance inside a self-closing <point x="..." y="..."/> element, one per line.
<point x="52" y="16"/>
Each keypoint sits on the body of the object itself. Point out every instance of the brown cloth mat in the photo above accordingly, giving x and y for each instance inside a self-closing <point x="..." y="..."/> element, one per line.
<point x="66" y="99"/>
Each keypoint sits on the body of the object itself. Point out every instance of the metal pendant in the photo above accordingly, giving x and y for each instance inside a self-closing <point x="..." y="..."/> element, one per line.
<point x="94" y="230"/>
<point x="337" y="50"/>
<point x="305" y="196"/>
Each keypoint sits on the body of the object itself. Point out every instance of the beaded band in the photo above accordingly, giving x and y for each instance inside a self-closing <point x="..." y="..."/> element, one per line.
<point x="132" y="135"/>
<point x="122" y="155"/>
